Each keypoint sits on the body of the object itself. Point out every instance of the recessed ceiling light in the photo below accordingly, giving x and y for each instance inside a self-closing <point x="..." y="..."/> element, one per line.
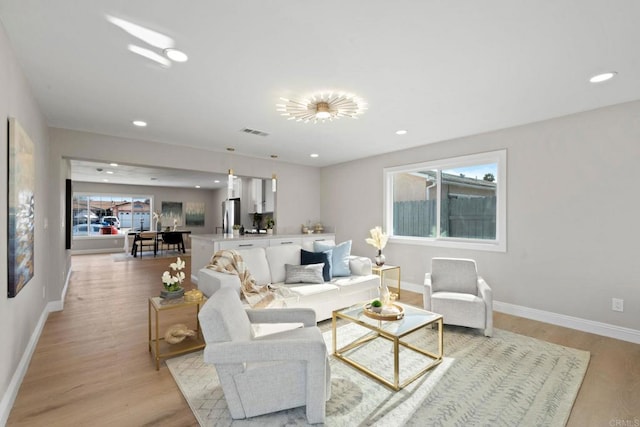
<point x="599" y="78"/>
<point x="149" y="54"/>
<point x="110" y="172"/>
<point x="145" y="34"/>
<point x="115" y="165"/>
<point x="105" y="180"/>
<point x="401" y="132"/>
<point x="216" y="181"/>
<point x="197" y="186"/>
<point x="140" y="123"/>
<point x="176" y="55"/>
<point x="314" y="155"/>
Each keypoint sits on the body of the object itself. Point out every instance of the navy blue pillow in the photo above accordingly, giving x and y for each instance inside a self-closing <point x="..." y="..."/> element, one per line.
<point x="307" y="258"/>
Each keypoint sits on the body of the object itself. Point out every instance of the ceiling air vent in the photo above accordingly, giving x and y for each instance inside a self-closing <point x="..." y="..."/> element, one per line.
<point x="254" y="132"/>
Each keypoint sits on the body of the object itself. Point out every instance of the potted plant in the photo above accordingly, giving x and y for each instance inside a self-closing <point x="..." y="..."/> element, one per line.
<point x="269" y="223"/>
<point x="236" y="230"/>
<point x="376" y="306"/>
<point x="173" y="283"/>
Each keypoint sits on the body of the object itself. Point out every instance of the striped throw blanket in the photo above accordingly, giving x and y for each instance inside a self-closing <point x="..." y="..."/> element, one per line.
<point x="230" y="262"/>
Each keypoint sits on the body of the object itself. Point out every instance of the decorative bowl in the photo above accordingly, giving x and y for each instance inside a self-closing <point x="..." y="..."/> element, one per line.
<point x="398" y="313"/>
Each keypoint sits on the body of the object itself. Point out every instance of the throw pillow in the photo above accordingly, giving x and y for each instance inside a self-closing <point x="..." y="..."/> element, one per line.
<point x="339" y="258"/>
<point x="307" y="258"/>
<point x="311" y="273"/>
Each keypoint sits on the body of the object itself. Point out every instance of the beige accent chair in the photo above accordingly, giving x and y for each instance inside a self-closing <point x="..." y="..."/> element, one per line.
<point x="145" y="238"/>
<point x="454" y="289"/>
<point x="265" y="374"/>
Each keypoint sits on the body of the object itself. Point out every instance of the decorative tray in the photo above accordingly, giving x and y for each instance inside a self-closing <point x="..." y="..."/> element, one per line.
<point x="368" y="311"/>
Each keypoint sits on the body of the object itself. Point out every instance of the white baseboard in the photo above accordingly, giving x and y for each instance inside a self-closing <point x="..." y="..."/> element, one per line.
<point x="16" y="380"/>
<point x="591" y="326"/>
<point x="413" y="287"/>
<point x="59" y="305"/>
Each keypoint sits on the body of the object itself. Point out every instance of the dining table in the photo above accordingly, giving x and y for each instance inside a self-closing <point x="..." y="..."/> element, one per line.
<point x="134" y="236"/>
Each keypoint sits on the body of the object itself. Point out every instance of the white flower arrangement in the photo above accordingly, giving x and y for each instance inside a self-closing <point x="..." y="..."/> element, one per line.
<point x="172" y="283"/>
<point x="378" y="238"/>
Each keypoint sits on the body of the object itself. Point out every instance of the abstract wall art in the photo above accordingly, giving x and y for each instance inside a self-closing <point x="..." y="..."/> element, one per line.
<point x="21" y="205"/>
<point x="194" y="215"/>
<point x="172" y="214"/>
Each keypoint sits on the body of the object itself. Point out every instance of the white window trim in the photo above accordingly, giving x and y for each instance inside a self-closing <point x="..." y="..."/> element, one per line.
<point x="111" y="193"/>
<point x="497" y="245"/>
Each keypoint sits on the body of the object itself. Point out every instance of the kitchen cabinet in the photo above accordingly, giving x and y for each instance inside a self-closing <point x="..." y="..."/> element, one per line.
<point x="255" y="196"/>
<point x="261" y="197"/>
<point x="268" y="196"/>
<point x="203" y="246"/>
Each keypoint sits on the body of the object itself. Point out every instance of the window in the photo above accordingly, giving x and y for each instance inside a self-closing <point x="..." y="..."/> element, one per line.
<point x="458" y="202"/>
<point x="107" y="214"/>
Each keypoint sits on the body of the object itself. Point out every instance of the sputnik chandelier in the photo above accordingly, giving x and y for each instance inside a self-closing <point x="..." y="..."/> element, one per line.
<point x="322" y="107"/>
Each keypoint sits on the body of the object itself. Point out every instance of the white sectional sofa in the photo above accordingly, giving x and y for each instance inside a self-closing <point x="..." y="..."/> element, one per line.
<point x="267" y="265"/>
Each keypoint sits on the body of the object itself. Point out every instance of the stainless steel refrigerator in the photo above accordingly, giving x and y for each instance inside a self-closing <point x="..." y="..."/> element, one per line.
<point x="230" y="214"/>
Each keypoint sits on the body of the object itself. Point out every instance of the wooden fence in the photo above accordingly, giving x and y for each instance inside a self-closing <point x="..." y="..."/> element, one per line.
<point x="466" y="217"/>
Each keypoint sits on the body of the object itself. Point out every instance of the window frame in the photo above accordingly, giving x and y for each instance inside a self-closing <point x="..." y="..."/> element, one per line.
<point x="499" y="244"/>
<point x="128" y="196"/>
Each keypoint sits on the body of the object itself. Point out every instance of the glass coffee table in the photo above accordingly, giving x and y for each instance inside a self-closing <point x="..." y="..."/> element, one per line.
<point x="394" y="331"/>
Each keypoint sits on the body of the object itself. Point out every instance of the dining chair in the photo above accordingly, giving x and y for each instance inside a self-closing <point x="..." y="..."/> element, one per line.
<point x="145" y="239"/>
<point x="173" y="239"/>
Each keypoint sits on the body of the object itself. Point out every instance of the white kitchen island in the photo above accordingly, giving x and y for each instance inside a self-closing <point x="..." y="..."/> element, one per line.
<point x="203" y="246"/>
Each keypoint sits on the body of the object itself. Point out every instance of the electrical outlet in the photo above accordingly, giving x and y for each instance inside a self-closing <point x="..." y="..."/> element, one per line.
<point x="617" y="304"/>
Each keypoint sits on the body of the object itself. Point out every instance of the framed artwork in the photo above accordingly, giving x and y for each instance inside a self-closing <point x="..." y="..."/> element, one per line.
<point x="171" y="213"/>
<point x="21" y="205"/>
<point x="194" y="214"/>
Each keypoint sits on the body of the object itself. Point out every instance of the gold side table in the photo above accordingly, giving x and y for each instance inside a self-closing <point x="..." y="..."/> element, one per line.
<point x="158" y="347"/>
<point x="390" y="274"/>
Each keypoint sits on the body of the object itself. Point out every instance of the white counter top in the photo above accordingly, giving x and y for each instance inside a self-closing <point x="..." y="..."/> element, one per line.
<point x="226" y="237"/>
<point x="203" y="246"/>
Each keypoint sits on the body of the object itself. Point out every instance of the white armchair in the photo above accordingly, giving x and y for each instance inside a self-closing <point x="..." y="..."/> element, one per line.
<point x="454" y="289"/>
<point x="270" y="373"/>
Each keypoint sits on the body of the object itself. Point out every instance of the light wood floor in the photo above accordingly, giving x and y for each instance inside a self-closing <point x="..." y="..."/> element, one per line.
<point x="92" y="366"/>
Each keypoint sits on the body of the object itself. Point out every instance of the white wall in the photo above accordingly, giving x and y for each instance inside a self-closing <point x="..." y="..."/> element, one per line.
<point x="21" y="316"/>
<point x="298" y="186"/>
<point x="573" y="197"/>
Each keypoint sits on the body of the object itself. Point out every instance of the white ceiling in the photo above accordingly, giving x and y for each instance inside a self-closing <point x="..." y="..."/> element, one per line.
<point x="88" y="171"/>
<point x="438" y="69"/>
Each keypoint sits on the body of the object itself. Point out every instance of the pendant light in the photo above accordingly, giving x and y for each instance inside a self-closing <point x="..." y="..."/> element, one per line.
<point x="274" y="178"/>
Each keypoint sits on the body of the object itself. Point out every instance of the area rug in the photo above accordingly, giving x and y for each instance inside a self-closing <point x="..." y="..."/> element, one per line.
<point x="506" y="380"/>
<point x="147" y="255"/>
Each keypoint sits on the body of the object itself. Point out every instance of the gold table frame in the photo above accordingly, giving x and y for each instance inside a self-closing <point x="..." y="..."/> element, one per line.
<point x="414" y="320"/>
<point x="387" y="270"/>
<point x="158" y="347"/>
